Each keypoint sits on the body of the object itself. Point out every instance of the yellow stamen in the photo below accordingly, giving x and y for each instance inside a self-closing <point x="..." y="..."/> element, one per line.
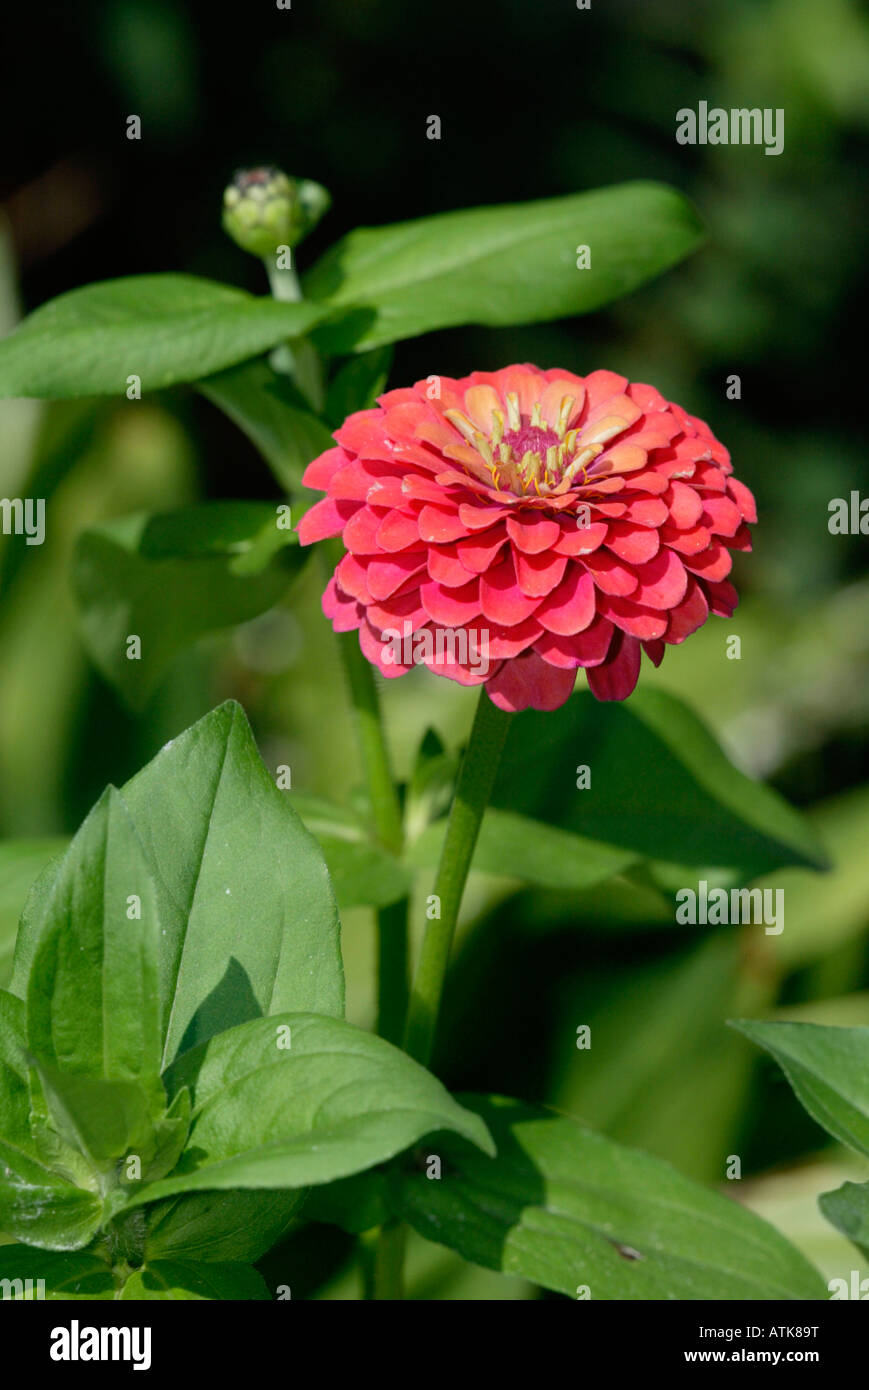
<point x="498" y="431"/>
<point x="462" y="424"/>
<point x="481" y="444"/>
<point x="513" y="416"/>
<point x="567" y="404"/>
<point x="535" y="416"/>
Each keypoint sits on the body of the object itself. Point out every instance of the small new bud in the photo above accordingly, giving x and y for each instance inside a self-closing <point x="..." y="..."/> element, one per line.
<point x="264" y="209"/>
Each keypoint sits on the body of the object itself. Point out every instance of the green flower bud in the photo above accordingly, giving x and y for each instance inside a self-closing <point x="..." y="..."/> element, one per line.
<point x="264" y="209"/>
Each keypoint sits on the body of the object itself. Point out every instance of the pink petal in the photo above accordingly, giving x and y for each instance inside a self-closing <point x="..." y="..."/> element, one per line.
<point x="477" y="552"/>
<point x="587" y="648"/>
<point x="344" y="612"/>
<point x="722" y="597"/>
<point x="743" y="499"/>
<point x="571" y="607"/>
<point x="530" y="682"/>
<point x="385" y="576"/>
<point x="438" y="524"/>
<point x="397" y="531"/>
<point x="688" y="615"/>
<point x="501" y="599"/>
<point x="686" y="508"/>
<point x="714" y="563"/>
<point x="320" y="470"/>
<point x="633" y="618"/>
<point x="721" y="515"/>
<point x="663" y="581"/>
<point x="360" y="533"/>
<point x="533" y="532"/>
<point x="618" y="676"/>
<point x="581" y="540"/>
<point x="445" y="567"/>
<point x="451" y="607"/>
<point x="537" y="575"/>
<point x="325" y="518"/>
<point x="633" y="544"/>
<point x="610" y="575"/>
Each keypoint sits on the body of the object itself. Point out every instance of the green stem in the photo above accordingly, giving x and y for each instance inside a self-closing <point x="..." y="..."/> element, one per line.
<point x="389" y="1262"/>
<point x="385" y="806"/>
<point x="299" y="357"/>
<point x="474" y="787"/>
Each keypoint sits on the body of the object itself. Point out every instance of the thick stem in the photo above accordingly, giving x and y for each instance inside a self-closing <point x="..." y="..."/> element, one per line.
<point x="474" y="787"/>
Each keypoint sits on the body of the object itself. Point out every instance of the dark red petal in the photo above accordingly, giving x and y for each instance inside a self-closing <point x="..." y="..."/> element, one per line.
<point x="617" y="677"/>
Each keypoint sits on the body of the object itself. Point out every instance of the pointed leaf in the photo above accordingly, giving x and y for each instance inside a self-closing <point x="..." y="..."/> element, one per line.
<point x="161" y="328"/>
<point x="570" y="1209"/>
<point x="248" y="919"/>
<point x="296" y="1100"/>
<point x="499" y="265"/>
<point x="180" y="1279"/>
<point x="828" y="1069"/>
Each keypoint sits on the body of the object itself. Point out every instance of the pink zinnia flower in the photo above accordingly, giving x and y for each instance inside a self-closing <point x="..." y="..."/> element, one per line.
<point x="557" y="521"/>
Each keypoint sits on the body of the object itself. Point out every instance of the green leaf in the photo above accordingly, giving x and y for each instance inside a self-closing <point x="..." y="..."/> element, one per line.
<point x="828" y="1069"/>
<point x="239" y="1225"/>
<point x="296" y="1100"/>
<point x="64" y="1276"/>
<point x="92" y="1007"/>
<point x="273" y="415"/>
<point x="661" y="788"/>
<point x="568" y="1208"/>
<point x="14" y="1091"/>
<point x="179" y="1279"/>
<point x="514" y="846"/>
<point x="499" y="265"/>
<point x="170" y="579"/>
<point x="21" y="861"/>
<point x="40" y="1207"/>
<point x="848" y="1210"/>
<point x="248" y="923"/>
<point x="161" y="328"/>
<point x="363" y="874"/>
<point x="357" y="384"/>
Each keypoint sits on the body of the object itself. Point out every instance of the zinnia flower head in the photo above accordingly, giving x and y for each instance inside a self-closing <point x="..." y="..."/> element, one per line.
<point x="550" y="521"/>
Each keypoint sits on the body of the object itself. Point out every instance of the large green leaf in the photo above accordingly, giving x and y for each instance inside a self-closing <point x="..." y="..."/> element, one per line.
<point x="296" y="1100"/>
<point x="92" y="1006"/>
<point x="661" y="788"/>
<point x="848" y="1210"/>
<point x="181" y="1279"/>
<point x="63" y="1277"/>
<point x="160" y="328"/>
<point x="570" y="1209"/>
<point x="21" y="861"/>
<point x="275" y="417"/>
<point x="499" y="265"/>
<point x="828" y="1069"/>
<point x="169" y="579"/>
<point x="248" y="923"/>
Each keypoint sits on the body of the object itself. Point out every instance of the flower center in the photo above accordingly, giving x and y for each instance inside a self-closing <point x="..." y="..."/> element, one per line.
<point x="530" y="455"/>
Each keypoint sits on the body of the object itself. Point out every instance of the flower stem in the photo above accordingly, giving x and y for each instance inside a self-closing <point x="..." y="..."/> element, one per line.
<point x="388" y="1278"/>
<point x="299" y="357"/>
<point x="473" y="789"/>
<point x="385" y="806"/>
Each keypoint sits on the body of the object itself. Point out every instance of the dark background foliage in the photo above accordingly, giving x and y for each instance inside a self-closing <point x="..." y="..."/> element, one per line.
<point x="535" y="99"/>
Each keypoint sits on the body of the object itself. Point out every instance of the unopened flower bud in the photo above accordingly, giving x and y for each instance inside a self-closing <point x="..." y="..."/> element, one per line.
<point x="264" y="209"/>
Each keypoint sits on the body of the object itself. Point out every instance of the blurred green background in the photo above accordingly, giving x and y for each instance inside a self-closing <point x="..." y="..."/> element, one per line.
<point x="535" y="100"/>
